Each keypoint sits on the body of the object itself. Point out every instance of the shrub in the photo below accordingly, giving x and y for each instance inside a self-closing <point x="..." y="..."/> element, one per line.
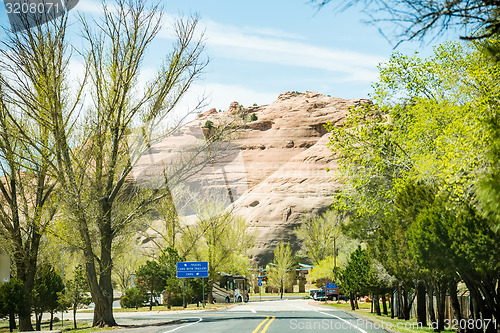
<point x="134" y="298"/>
<point x="253" y="117"/>
<point x="209" y="124"/>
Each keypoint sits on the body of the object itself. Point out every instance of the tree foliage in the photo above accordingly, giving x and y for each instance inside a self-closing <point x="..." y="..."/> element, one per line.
<point x="46" y="294"/>
<point x="13" y="301"/>
<point x="281" y="272"/>
<point x="88" y="154"/>
<point x="413" y="163"/>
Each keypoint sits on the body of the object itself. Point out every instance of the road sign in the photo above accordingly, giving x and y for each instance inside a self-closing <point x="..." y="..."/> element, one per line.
<point x="260" y="283"/>
<point x="331" y="288"/>
<point x="259" y="278"/>
<point x="192" y="269"/>
<point x="4" y="268"/>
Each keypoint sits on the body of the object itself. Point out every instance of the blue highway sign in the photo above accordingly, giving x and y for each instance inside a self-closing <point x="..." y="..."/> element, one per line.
<point x="331" y="286"/>
<point x="260" y="283"/>
<point x="192" y="269"/>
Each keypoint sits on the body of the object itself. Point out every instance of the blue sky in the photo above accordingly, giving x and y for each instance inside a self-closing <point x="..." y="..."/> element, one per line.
<point x="259" y="49"/>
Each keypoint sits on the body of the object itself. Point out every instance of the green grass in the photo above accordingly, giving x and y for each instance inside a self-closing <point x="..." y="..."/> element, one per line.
<point x="278" y="294"/>
<point x="68" y="326"/>
<point x="174" y="308"/>
<point x="405" y="326"/>
<point x="84" y="326"/>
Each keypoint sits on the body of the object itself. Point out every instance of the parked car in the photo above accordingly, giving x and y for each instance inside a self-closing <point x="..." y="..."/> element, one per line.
<point x="157" y="299"/>
<point x="312" y="292"/>
<point x="319" y="295"/>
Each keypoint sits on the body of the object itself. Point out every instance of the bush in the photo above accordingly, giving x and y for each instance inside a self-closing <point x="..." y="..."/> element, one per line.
<point x="134" y="298"/>
<point x="209" y="124"/>
<point x="253" y="117"/>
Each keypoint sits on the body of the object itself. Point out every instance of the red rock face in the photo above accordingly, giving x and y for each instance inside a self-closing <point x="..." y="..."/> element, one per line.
<point x="278" y="173"/>
<point x="286" y="157"/>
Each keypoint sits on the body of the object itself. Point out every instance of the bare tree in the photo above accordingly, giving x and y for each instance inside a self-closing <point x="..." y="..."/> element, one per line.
<point x="479" y="19"/>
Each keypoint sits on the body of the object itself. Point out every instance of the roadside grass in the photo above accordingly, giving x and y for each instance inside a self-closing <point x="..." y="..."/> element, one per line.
<point x="395" y="325"/>
<point x="164" y="308"/>
<point x="86" y="327"/>
<point x="278" y="294"/>
<point x="68" y="327"/>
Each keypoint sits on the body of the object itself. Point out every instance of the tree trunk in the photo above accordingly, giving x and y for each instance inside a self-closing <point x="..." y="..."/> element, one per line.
<point x="406" y="304"/>
<point x="12" y="322"/>
<point x="384" y="305"/>
<point x="393" y="314"/>
<point x="371" y="305"/>
<point x="101" y="289"/>
<point x="430" y="303"/>
<point x="151" y="301"/>
<point x="351" y="299"/>
<point x="441" y="297"/>
<point x="376" y="304"/>
<point x="26" y="269"/>
<point x="38" y="318"/>
<point x="421" y="306"/>
<point x="51" y="319"/>
<point x="399" y="311"/>
<point x="455" y="304"/>
<point x="74" y="316"/>
<point x="356" y="300"/>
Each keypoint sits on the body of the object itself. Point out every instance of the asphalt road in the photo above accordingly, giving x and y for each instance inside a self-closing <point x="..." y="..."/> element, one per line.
<point x="254" y="317"/>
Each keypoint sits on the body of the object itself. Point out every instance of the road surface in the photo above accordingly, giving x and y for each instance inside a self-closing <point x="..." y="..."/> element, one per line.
<point x="255" y="317"/>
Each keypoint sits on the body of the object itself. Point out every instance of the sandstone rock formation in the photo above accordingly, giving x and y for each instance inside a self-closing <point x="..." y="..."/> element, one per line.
<point x="286" y="157"/>
<point x="276" y="171"/>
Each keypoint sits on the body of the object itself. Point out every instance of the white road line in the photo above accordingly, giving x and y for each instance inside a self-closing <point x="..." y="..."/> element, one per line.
<point x="252" y="309"/>
<point x="350" y="324"/>
<point x="300" y="307"/>
<point x="178" y="328"/>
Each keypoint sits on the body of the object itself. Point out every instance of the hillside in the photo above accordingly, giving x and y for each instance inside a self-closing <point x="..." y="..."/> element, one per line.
<point x="275" y="171"/>
<point x="286" y="158"/>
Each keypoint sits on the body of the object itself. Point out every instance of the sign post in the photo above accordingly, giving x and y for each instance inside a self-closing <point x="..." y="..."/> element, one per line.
<point x="260" y="287"/>
<point x="192" y="269"/>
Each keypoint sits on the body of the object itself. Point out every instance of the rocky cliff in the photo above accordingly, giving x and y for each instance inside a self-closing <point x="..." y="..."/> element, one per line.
<point x="286" y="156"/>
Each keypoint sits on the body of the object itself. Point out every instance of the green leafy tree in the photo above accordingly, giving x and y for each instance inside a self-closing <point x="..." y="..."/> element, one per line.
<point x="253" y="117"/>
<point x="423" y="139"/>
<point x="91" y="162"/>
<point x="151" y="277"/>
<point x="12" y="301"/>
<point x="169" y="259"/>
<point x="133" y="298"/>
<point x="219" y="237"/>
<point x="321" y="235"/>
<point x="48" y="286"/>
<point x="281" y="271"/>
<point x="355" y="276"/>
<point x="77" y="290"/>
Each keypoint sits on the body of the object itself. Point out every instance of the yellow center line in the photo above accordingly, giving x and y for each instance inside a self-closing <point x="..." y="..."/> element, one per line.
<point x="267" y="325"/>
<point x="260" y="325"/>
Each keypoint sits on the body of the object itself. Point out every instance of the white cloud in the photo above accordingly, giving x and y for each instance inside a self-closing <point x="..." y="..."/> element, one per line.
<point x="282" y="48"/>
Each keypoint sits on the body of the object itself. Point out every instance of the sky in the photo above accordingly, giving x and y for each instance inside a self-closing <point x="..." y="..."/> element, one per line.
<point x="261" y="48"/>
